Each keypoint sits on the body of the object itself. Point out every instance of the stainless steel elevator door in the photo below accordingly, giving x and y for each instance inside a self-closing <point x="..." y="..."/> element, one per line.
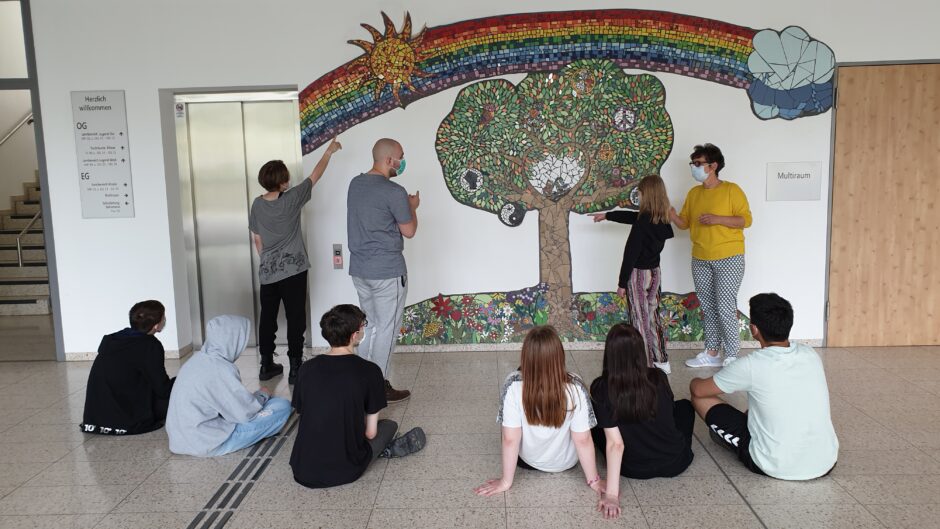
<point x="228" y="143"/>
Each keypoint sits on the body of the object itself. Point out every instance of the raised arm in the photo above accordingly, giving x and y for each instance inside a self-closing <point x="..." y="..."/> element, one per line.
<point x="623" y="217"/>
<point x="324" y="161"/>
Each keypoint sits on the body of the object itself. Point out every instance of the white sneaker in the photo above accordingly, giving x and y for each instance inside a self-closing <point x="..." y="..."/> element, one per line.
<point x="664" y="366"/>
<point x="728" y="361"/>
<point x="704" y="359"/>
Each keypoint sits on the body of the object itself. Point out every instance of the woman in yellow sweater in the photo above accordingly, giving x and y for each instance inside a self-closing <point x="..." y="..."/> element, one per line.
<point x="716" y="214"/>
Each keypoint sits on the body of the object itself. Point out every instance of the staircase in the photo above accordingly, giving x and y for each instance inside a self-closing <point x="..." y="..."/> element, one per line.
<point x="23" y="290"/>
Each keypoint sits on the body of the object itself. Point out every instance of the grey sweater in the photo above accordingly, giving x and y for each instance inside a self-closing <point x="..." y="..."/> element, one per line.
<point x="208" y="399"/>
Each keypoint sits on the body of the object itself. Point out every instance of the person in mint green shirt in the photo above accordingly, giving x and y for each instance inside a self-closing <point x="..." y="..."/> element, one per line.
<point x="715" y="213"/>
<point x="787" y="432"/>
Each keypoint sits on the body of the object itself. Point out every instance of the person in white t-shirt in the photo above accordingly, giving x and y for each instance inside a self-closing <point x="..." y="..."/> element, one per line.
<point x="787" y="431"/>
<point x="546" y="416"/>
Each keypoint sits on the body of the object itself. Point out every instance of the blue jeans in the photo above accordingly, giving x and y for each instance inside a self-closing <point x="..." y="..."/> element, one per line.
<point x="268" y="422"/>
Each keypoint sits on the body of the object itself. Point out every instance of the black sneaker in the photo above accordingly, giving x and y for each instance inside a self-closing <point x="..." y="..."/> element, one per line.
<point x="295" y="364"/>
<point x="411" y="442"/>
<point x="269" y="371"/>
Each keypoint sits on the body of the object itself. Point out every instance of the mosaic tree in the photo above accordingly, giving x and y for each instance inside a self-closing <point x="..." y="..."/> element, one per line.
<point x="577" y="140"/>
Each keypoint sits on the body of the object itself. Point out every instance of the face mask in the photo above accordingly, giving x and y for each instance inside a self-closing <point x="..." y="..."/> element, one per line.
<point x="401" y="168"/>
<point x="699" y="174"/>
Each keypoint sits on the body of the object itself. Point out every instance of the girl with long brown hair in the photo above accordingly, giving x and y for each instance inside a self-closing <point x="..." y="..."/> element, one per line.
<point x="546" y="416"/>
<point x="642" y="432"/>
<point x="640" y="277"/>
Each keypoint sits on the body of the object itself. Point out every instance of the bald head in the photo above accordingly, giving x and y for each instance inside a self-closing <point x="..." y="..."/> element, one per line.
<point x="384" y="149"/>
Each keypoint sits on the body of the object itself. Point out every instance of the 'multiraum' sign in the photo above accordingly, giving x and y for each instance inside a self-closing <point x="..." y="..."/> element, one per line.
<point x="794" y="180"/>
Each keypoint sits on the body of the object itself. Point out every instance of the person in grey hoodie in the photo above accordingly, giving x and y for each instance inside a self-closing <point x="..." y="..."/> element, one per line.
<point x="211" y="413"/>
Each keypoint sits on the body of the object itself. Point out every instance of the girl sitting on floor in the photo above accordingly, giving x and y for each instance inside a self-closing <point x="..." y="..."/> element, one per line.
<point x="545" y="414"/>
<point x="635" y="408"/>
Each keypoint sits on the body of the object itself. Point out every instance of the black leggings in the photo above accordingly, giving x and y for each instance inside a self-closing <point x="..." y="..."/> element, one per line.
<point x="684" y="416"/>
<point x="293" y="292"/>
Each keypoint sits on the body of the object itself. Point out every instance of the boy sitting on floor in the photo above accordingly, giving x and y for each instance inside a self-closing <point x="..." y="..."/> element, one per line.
<point x="128" y="389"/>
<point x="338" y="396"/>
<point x="211" y="412"/>
<point x="787" y="431"/>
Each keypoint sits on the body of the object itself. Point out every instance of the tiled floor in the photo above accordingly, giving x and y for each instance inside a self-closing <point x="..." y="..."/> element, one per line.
<point x="26" y="338"/>
<point x="885" y="404"/>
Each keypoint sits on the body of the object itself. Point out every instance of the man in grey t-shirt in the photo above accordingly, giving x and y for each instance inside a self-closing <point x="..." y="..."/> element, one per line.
<point x="379" y="213"/>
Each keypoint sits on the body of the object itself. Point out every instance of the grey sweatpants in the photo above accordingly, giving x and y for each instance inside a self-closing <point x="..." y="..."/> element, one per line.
<point x="383" y="301"/>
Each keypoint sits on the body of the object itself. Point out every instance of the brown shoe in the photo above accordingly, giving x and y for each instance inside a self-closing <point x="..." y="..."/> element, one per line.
<point x="395" y="395"/>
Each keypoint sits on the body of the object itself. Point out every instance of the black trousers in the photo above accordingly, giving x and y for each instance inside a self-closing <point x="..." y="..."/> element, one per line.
<point x="293" y="292"/>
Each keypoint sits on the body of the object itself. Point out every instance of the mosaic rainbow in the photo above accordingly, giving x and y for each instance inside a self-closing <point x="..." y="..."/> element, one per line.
<point x="441" y="57"/>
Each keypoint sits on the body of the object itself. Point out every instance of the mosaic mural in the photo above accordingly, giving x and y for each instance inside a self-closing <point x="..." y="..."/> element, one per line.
<point x="575" y="135"/>
<point x="505" y="317"/>
<point x="786" y="74"/>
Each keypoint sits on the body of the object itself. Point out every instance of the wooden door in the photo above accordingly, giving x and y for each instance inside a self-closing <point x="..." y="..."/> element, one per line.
<point x="884" y="268"/>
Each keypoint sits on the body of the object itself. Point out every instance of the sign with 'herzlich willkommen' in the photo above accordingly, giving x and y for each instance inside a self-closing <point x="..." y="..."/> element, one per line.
<point x="104" y="162"/>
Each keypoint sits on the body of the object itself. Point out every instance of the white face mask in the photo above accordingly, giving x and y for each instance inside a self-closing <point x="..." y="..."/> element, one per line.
<point x="699" y="174"/>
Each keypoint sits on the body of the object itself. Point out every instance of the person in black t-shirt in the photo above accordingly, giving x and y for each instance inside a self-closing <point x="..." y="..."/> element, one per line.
<point x="640" y="277"/>
<point x="642" y="432"/>
<point x="128" y="389"/>
<point x="338" y="396"/>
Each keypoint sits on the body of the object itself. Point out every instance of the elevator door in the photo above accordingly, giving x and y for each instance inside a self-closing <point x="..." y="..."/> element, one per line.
<point x="228" y="142"/>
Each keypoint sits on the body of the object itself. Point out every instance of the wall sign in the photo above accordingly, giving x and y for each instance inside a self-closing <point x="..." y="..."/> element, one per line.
<point x="794" y="180"/>
<point x="104" y="164"/>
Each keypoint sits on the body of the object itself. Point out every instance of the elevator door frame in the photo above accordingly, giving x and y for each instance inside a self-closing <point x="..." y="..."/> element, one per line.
<point x="187" y="184"/>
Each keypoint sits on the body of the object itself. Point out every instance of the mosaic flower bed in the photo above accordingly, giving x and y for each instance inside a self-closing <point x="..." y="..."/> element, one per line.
<point x="505" y="317"/>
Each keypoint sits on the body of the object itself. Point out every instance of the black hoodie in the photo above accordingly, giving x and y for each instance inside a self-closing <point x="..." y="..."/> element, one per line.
<point x="128" y="388"/>
<point x="644" y="244"/>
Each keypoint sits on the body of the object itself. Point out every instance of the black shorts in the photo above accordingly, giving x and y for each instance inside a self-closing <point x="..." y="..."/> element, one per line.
<point x="728" y="426"/>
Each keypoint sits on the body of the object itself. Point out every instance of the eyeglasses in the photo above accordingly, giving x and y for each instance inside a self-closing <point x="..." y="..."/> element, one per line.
<point x="698" y="163"/>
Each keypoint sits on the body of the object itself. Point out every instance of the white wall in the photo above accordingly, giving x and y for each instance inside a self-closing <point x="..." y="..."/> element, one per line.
<point x="18" y="154"/>
<point x="140" y="47"/>
<point x="18" y="162"/>
<point x="12" y="46"/>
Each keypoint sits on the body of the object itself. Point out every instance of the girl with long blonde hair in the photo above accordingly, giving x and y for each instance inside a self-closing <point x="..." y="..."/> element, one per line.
<point x="546" y="416"/>
<point x="640" y="277"/>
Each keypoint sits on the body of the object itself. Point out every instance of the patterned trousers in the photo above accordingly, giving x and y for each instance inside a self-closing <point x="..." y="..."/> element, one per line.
<point x="717" y="284"/>
<point x="643" y="294"/>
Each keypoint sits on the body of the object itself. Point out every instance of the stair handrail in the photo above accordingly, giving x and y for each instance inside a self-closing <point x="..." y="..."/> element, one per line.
<point x="19" y="243"/>
<point x="27" y="119"/>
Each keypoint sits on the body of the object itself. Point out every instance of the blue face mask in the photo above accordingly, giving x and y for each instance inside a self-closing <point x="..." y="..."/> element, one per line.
<point x="699" y="174"/>
<point x="401" y="168"/>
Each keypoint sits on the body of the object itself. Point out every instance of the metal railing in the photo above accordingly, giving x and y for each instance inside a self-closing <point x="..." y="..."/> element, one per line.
<point x="19" y="238"/>
<point x="27" y="120"/>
